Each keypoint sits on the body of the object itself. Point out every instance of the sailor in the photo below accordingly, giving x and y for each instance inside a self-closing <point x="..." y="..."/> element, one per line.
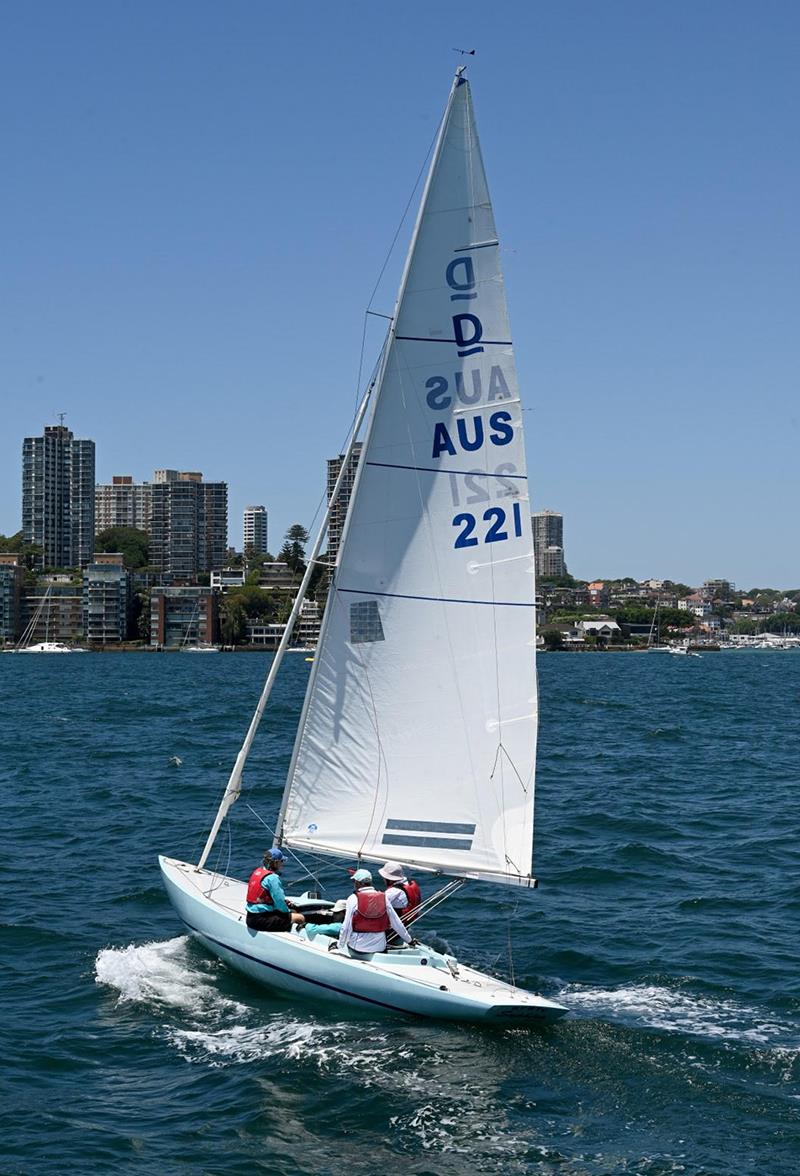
<point x="267" y="907"/>
<point x="403" y="893"/>
<point x="367" y="918"/>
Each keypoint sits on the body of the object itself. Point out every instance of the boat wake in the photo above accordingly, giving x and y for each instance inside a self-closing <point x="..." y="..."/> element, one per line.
<point x="212" y="1028"/>
<point x="162" y="974"/>
<point x="656" y="1007"/>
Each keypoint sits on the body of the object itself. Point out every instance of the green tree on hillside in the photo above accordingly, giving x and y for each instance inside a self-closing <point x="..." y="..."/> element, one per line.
<point x="129" y="541"/>
<point x="29" y="553"/>
<point x="293" y="552"/>
<point x="232" y="620"/>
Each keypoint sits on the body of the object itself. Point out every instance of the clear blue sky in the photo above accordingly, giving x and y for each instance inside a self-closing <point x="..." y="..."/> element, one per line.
<point x="197" y="198"/>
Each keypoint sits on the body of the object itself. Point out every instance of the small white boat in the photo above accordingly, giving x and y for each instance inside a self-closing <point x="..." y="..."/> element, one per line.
<point x="24" y="645"/>
<point x="200" y="649"/>
<point x="417" y="739"/>
<point x="51" y="647"/>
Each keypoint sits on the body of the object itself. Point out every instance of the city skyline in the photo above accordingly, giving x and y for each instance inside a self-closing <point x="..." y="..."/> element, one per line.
<point x="204" y="306"/>
<point x="125" y="502"/>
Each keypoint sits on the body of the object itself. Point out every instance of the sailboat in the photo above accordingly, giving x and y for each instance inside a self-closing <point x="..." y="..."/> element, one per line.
<point x="24" y="645"/>
<point x="191" y="642"/>
<point x="654" y="629"/>
<point x="417" y="739"/>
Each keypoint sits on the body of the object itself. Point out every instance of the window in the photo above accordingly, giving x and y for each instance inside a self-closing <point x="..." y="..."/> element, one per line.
<point x="365" y="622"/>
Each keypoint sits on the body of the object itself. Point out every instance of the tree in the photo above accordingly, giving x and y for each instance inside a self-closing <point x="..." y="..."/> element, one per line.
<point x="553" y="639"/>
<point x="232" y="620"/>
<point x="640" y="614"/>
<point x="132" y="543"/>
<point x="565" y="581"/>
<point x="256" y="603"/>
<point x="677" y="588"/>
<point x="140" y="615"/>
<point x="30" y="554"/>
<point x="293" y="552"/>
<point x="254" y="560"/>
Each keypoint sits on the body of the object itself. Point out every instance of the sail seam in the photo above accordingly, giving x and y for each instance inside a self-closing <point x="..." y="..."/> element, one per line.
<point x="438" y="599"/>
<point x="388" y="465"/>
<point x="427" y="339"/>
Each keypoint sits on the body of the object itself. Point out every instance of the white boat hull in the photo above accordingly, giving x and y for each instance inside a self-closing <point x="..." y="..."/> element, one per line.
<point x="50" y="647"/>
<point x="416" y="981"/>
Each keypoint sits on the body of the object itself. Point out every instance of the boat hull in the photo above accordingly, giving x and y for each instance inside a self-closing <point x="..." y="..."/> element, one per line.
<point x="417" y="981"/>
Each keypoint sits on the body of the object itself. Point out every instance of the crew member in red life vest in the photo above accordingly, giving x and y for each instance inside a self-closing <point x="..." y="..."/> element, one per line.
<point x="267" y="908"/>
<point x="403" y="893"/>
<point x="367" y="918"/>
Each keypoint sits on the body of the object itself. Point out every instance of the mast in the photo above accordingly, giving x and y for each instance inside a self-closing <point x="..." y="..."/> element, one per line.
<point x="234" y="785"/>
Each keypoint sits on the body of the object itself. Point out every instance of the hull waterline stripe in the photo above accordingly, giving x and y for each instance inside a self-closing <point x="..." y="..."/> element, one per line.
<point x="297" y="976"/>
<point x="431" y="826"/>
<point x="440" y="599"/>
<point x="388" y="465"/>
<point x="426" y="842"/>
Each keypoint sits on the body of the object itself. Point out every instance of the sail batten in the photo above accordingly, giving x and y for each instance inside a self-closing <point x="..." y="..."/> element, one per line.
<point x="418" y="737"/>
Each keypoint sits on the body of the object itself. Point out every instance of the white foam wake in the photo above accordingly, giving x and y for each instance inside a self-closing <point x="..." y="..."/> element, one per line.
<point x="664" y="1008"/>
<point x="162" y="974"/>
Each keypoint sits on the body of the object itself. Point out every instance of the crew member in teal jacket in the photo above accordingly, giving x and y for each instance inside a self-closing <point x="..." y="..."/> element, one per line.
<point x="267" y="908"/>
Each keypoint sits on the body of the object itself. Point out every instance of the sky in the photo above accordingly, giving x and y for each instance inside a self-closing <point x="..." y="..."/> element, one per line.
<point x="198" y="198"/>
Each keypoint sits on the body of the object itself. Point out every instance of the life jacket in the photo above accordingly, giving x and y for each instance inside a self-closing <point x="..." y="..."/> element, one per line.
<point x="414" y="895"/>
<point x="371" y="912"/>
<point x="256" y="894"/>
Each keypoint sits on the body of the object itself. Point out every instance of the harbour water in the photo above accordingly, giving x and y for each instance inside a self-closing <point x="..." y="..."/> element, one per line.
<point x="667" y="919"/>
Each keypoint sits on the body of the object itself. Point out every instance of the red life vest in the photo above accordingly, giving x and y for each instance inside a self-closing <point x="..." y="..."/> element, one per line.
<point x="371" y="913"/>
<point x="414" y="895"/>
<point x="256" y="894"/>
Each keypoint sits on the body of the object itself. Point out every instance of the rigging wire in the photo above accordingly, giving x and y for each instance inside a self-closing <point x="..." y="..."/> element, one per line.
<point x="390" y="251"/>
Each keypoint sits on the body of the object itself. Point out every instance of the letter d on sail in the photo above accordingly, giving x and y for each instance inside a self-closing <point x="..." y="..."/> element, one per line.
<point x="465" y="344"/>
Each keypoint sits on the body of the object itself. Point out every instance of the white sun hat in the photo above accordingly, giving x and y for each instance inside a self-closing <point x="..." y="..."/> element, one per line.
<point x="393" y="872"/>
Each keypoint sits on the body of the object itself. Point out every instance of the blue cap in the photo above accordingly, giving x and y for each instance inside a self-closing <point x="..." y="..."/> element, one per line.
<point x="362" y="876"/>
<point x="277" y="855"/>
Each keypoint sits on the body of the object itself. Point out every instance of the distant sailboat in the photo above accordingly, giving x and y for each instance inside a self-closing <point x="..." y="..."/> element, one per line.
<point x="25" y="645"/>
<point x="655" y="646"/>
<point x="418" y="734"/>
<point x="191" y="642"/>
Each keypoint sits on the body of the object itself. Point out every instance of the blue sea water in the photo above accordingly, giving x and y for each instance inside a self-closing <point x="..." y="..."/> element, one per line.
<point x="667" y="919"/>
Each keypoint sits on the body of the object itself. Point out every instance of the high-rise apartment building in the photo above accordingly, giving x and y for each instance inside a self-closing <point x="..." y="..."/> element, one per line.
<point x="183" y="616"/>
<point x="123" y="503"/>
<point x="255" y="529"/>
<point x="336" y="524"/>
<point x="548" y="543"/>
<point x="106" y="600"/>
<point x="188" y="524"/>
<point x="58" y="497"/>
<point x="12" y="578"/>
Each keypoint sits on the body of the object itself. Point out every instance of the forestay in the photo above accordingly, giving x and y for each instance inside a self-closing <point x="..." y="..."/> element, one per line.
<point x="418" y="738"/>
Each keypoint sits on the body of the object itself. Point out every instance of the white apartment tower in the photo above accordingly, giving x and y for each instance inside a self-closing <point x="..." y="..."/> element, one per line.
<point x="123" y="503"/>
<point x="339" y="513"/>
<point x="255" y="530"/>
<point x="548" y="543"/>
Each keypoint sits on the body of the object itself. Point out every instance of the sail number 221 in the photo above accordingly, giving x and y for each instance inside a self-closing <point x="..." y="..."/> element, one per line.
<point x="496" y="530"/>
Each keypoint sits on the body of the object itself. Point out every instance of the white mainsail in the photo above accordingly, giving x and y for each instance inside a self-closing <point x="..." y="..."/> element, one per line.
<point x="418" y="737"/>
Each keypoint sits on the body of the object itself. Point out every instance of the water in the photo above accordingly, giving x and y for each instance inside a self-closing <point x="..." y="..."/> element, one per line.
<point x="667" y="921"/>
